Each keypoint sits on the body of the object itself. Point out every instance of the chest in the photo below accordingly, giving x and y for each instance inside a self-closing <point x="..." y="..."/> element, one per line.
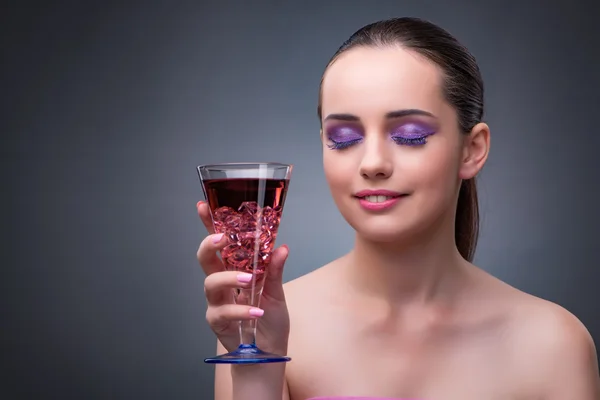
<point x="428" y="365"/>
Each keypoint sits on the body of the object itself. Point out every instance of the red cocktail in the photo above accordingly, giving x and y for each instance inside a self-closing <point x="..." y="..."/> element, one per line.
<point x="246" y="203"/>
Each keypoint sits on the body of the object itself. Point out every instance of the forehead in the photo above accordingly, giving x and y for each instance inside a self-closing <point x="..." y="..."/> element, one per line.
<point x="369" y="81"/>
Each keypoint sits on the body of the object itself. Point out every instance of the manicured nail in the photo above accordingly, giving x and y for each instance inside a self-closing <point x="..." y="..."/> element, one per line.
<point x="217" y="238"/>
<point x="244" y="277"/>
<point x="256" y="312"/>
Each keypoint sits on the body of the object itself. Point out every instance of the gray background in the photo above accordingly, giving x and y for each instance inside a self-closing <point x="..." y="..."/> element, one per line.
<point x="107" y="109"/>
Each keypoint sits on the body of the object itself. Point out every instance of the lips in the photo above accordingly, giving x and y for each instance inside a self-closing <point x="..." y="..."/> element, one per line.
<point x="378" y="200"/>
<point x="377" y="195"/>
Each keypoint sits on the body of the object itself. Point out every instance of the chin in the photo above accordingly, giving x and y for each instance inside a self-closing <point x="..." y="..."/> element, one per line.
<point x="384" y="229"/>
<point x="399" y="226"/>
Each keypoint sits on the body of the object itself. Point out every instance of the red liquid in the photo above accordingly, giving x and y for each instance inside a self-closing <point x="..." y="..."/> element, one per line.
<point x="248" y="212"/>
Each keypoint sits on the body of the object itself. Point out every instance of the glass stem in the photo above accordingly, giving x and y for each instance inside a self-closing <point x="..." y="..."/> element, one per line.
<point x="250" y="297"/>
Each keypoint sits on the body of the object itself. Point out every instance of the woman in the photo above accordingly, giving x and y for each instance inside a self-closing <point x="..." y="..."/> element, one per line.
<point x="405" y="314"/>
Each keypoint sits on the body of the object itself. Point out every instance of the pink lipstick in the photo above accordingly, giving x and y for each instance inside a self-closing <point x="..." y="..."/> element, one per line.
<point x="377" y="200"/>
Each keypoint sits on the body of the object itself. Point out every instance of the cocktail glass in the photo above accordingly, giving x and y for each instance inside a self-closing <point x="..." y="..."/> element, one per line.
<point x="246" y="203"/>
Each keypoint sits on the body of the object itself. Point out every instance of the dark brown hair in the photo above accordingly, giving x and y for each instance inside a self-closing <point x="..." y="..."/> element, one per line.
<point x="463" y="89"/>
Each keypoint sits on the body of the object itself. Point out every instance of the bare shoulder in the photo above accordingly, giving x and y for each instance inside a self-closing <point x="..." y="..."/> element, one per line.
<point x="548" y="328"/>
<point x="538" y="323"/>
<point x="552" y="326"/>
<point x="311" y="301"/>
<point x="551" y="348"/>
<point x="310" y="287"/>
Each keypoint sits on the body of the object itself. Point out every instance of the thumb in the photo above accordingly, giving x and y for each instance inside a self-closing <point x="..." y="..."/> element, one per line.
<point x="274" y="279"/>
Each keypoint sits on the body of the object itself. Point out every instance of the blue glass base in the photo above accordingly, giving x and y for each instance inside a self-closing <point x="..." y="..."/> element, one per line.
<point x="246" y="354"/>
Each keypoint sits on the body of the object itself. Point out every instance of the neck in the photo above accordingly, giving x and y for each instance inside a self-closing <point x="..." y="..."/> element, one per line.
<point x="426" y="268"/>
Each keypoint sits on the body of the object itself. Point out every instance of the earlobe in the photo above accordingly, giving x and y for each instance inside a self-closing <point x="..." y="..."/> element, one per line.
<point x="475" y="151"/>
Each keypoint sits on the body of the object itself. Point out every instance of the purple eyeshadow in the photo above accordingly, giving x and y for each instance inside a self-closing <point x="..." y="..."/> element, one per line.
<point x="408" y="134"/>
<point x="413" y="131"/>
<point x="343" y="134"/>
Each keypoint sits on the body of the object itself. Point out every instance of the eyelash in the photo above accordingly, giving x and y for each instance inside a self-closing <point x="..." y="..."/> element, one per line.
<point x="419" y="141"/>
<point x="399" y="140"/>
<point x="342" y="145"/>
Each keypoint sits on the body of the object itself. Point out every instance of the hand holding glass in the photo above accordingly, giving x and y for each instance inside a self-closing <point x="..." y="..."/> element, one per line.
<point x="246" y="203"/>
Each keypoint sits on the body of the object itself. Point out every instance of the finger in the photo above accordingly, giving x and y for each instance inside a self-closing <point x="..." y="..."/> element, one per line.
<point x="216" y="285"/>
<point x="274" y="279"/>
<point x="221" y="316"/>
<point x="204" y="214"/>
<point x="207" y="253"/>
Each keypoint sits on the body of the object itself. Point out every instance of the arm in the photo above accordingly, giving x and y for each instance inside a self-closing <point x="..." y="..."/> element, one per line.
<point x="250" y="382"/>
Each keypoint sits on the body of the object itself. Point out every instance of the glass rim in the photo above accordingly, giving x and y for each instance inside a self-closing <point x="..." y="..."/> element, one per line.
<point x="242" y="164"/>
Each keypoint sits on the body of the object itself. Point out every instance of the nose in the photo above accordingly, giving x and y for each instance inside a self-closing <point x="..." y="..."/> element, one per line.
<point x="377" y="160"/>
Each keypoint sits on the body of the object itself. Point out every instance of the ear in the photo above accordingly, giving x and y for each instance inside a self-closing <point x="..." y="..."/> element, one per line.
<point x="476" y="147"/>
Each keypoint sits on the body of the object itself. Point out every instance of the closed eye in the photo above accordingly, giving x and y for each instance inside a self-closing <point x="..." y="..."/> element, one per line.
<point x="342" y="145"/>
<point x="418" y="141"/>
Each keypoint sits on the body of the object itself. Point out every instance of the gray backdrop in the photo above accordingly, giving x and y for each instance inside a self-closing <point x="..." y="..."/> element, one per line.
<point x="107" y="109"/>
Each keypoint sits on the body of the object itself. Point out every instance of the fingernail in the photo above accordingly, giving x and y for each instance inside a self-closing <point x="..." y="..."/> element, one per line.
<point x="217" y="238"/>
<point x="244" y="277"/>
<point x="287" y="250"/>
<point x="199" y="203"/>
<point x="256" y="312"/>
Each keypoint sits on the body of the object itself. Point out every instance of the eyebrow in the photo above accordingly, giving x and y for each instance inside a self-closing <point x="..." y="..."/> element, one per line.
<point x="390" y="115"/>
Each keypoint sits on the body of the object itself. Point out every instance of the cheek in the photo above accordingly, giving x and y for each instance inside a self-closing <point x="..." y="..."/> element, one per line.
<point x="339" y="171"/>
<point x="333" y="173"/>
<point x="437" y="172"/>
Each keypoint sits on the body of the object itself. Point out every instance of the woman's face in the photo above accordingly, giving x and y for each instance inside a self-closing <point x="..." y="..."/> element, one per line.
<point x="387" y="127"/>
